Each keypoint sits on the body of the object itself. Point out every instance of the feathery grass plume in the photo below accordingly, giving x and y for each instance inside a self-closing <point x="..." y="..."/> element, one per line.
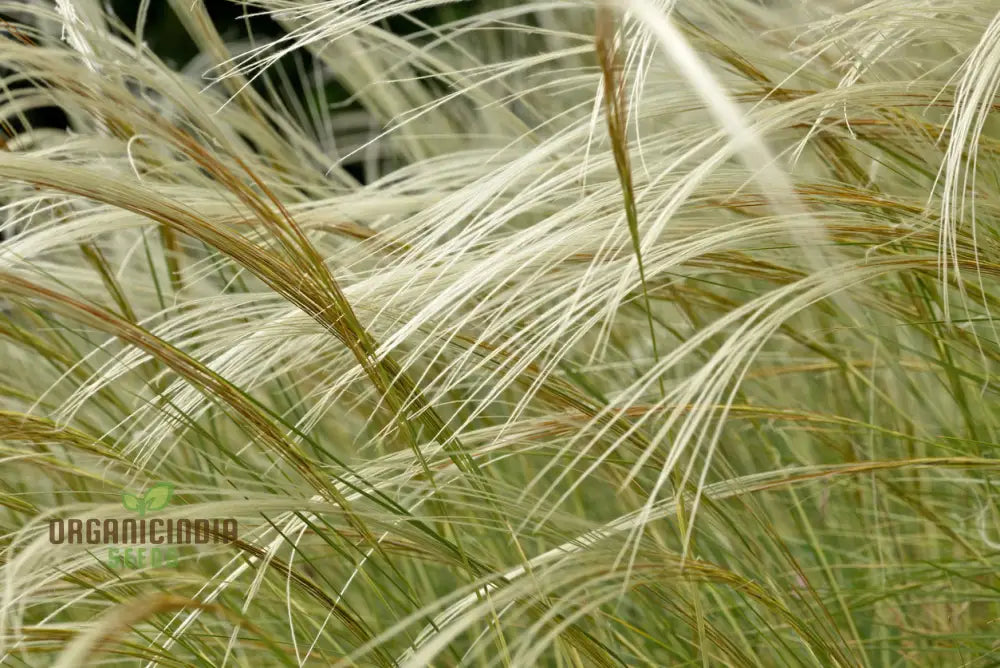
<point x="615" y="110"/>
<point x="430" y="300"/>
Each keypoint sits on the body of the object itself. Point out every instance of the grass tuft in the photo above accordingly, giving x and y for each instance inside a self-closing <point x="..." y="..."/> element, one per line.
<point x="507" y="333"/>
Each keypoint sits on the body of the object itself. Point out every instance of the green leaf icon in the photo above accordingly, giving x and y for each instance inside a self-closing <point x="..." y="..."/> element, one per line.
<point x="131" y="502"/>
<point x="158" y="496"/>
